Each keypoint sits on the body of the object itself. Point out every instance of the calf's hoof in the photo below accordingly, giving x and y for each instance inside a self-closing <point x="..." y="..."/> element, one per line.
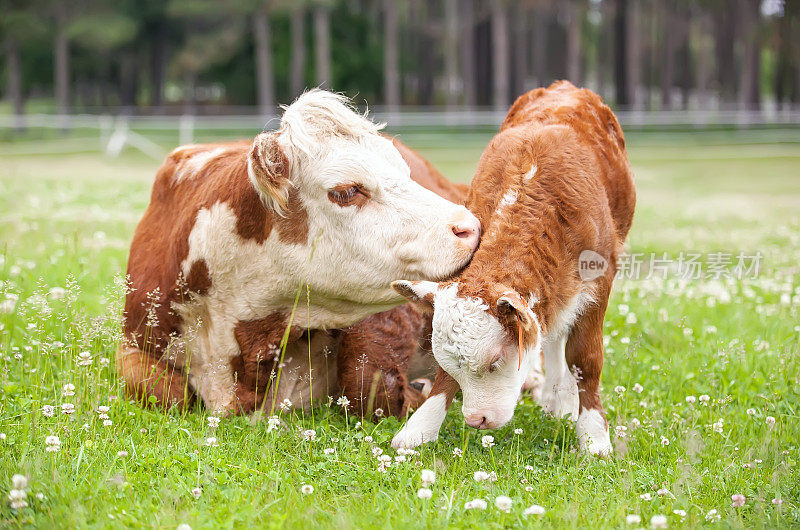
<point x="593" y="434"/>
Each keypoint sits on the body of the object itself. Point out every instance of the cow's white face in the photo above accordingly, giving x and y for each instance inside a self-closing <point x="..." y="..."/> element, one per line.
<point x="368" y="221"/>
<point x="473" y="347"/>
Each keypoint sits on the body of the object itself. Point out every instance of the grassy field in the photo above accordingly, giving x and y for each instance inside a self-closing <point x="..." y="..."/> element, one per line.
<point x="701" y="385"/>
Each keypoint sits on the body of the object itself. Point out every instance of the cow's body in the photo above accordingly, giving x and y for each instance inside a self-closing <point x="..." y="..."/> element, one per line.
<point x="246" y="246"/>
<point x="553" y="183"/>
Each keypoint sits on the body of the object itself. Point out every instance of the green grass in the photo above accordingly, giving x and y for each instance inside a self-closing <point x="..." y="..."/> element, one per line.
<point x="66" y="220"/>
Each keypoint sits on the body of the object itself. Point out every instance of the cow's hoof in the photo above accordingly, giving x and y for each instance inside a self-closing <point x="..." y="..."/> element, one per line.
<point x="408" y="439"/>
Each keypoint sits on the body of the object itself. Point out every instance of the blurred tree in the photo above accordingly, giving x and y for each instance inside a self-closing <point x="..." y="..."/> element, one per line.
<point x="572" y="14"/>
<point x="468" y="51"/>
<point x="322" y="44"/>
<point x="450" y="38"/>
<point x="621" y="53"/>
<point x="749" y="82"/>
<point x="265" y="83"/>
<point x="391" y="63"/>
<point x="298" y="61"/>
<point x="500" y="53"/>
<point x="17" y="25"/>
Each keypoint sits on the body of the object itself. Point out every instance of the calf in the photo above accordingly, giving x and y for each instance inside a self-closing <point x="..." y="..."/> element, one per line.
<point x="325" y="207"/>
<point x="553" y="189"/>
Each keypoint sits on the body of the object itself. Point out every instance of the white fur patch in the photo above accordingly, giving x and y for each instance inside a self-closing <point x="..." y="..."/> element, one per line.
<point x="424" y="424"/>
<point x="509" y="198"/>
<point x="560" y="389"/>
<point x="593" y="433"/>
<point x="532" y="172"/>
<point x="194" y="164"/>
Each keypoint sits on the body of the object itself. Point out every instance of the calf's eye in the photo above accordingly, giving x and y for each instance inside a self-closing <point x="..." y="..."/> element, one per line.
<point x="348" y="195"/>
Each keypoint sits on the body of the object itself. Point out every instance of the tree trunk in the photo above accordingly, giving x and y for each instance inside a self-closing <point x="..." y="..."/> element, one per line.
<point x="391" y="68"/>
<point x="158" y="63"/>
<point x="468" y="52"/>
<point x="499" y="55"/>
<point x="703" y="30"/>
<point x="682" y="28"/>
<point x="265" y="87"/>
<point x="14" y="82"/>
<point x="451" y="51"/>
<point x="668" y="59"/>
<point x="298" y="60"/>
<point x="128" y="79"/>
<point x="633" y="47"/>
<point x="519" y="56"/>
<point x="538" y="47"/>
<point x="749" y="96"/>
<point x="724" y="41"/>
<point x="621" y="44"/>
<point x="61" y="63"/>
<point x="322" y="46"/>
<point x="573" y="17"/>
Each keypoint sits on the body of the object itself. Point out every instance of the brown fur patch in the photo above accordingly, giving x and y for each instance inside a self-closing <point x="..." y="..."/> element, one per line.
<point x="146" y="377"/>
<point x="199" y="280"/>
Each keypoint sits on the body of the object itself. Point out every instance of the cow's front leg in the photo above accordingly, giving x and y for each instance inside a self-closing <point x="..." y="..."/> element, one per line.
<point x="559" y="390"/>
<point x="584" y="351"/>
<point x="424" y="424"/>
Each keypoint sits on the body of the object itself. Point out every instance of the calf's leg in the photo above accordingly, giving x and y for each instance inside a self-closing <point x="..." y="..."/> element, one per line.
<point x="584" y="352"/>
<point x="146" y="377"/>
<point x="424" y="424"/>
<point x="559" y="390"/>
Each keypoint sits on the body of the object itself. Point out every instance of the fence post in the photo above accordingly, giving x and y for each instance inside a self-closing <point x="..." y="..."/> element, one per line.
<point x="186" y="129"/>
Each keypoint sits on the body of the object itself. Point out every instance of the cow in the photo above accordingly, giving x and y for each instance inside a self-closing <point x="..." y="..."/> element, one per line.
<point x="553" y="190"/>
<point x="251" y="254"/>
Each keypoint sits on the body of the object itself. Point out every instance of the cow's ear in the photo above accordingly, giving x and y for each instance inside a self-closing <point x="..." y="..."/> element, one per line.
<point x="268" y="169"/>
<point x="513" y="306"/>
<point x="419" y="293"/>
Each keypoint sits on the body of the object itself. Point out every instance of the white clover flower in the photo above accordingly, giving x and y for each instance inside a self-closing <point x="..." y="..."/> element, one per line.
<point x="713" y="517"/>
<point x="107" y="423"/>
<point x="680" y="513"/>
<point x="738" y="500"/>
<point x="717" y="427"/>
<point x="52" y="444"/>
<point x="122" y="454"/>
<point x="658" y="521"/>
<point x="458" y="452"/>
<point x="273" y="422"/>
<point x="19" y="482"/>
<point x="503" y="503"/>
<point x="529" y="467"/>
<point x="770" y="421"/>
<point x="104" y="362"/>
<point x="368" y="439"/>
<point x="377" y="451"/>
<point x="196" y="492"/>
<point x="690" y="399"/>
<point x="777" y="501"/>
<point x="400" y="459"/>
<point x="427" y="477"/>
<point x="424" y="493"/>
<point x="480" y="476"/>
<point x="309" y="435"/>
<point x="638" y="388"/>
<point x="211" y="441"/>
<point x="704" y="398"/>
<point x="664" y="441"/>
<point x="343" y="401"/>
<point x="183" y="526"/>
<point x="328" y="450"/>
<point x="378" y="413"/>
<point x="17" y="499"/>
<point x="48" y="410"/>
<point x="621" y="431"/>
<point x="663" y="492"/>
<point x="534" y="509"/>
<point x="633" y="519"/>
<point x="286" y="404"/>
<point x="619" y="389"/>
<point x="67" y="408"/>
<point x="102" y="416"/>
<point x="475" y="504"/>
<point x="307" y="489"/>
<point x="103" y="409"/>
<point x="213" y="422"/>
<point x="635" y="423"/>
<point x="487" y="441"/>
<point x="84" y="358"/>
<point x="68" y="390"/>
<point x="646" y="497"/>
<point x="386" y="459"/>
<point x="751" y="412"/>
<point x="518" y="431"/>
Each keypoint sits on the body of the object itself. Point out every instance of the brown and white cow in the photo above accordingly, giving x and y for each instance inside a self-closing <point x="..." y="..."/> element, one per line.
<point x="247" y="245"/>
<point x="553" y="188"/>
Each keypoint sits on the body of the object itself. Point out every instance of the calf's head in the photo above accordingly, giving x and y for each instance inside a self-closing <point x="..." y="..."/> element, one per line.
<point x="476" y="339"/>
<point x="367" y="221"/>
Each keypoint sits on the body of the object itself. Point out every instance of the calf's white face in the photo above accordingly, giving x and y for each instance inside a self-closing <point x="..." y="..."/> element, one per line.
<point x="368" y="221"/>
<point x="473" y="347"/>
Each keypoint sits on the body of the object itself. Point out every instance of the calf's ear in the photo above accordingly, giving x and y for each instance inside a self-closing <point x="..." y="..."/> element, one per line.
<point x="512" y="305"/>
<point x="268" y="169"/>
<point x="419" y="293"/>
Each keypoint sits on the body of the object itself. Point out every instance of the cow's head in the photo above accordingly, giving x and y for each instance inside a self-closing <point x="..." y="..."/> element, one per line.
<point x="476" y="341"/>
<point x="368" y="222"/>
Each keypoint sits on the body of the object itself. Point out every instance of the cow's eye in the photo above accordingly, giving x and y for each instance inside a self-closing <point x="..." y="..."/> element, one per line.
<point x="497" y="363"/>
<point x="348" y="195"/>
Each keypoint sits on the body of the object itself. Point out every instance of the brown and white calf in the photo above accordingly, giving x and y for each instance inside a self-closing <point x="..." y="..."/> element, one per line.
<point x="553" y="184"/>
<point x="247" y="245"/>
